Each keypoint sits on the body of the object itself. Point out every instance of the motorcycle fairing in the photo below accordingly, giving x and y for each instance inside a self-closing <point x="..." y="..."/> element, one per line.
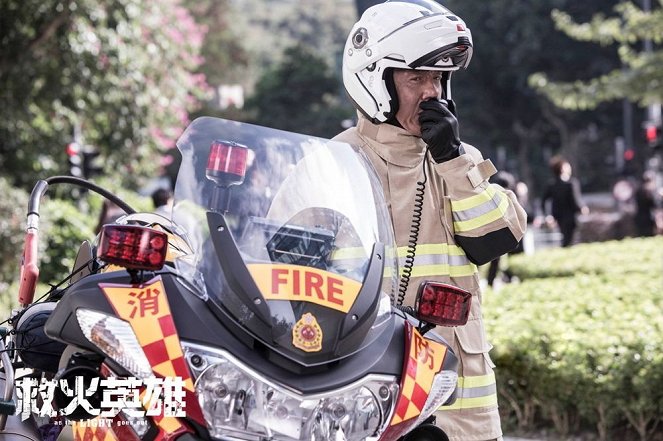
<point x="271" y="322"/>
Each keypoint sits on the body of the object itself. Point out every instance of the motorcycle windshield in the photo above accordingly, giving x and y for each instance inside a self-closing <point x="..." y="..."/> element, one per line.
<point x="289" y="232"/>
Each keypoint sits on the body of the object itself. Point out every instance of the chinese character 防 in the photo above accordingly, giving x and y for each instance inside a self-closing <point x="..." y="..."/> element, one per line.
<point x="424" y="351"/>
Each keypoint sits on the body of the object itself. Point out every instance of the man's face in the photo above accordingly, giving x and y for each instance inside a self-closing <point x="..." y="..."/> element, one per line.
<point x="412" y="88"/>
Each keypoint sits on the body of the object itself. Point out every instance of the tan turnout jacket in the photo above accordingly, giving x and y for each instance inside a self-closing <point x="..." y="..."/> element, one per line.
<point x="460" y="206"/>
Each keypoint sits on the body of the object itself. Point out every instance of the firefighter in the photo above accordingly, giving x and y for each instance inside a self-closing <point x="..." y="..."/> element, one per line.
<point x="397" y="66"/>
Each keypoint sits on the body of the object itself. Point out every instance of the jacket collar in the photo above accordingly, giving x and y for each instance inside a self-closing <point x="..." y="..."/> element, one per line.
<point x="393" y="144"/>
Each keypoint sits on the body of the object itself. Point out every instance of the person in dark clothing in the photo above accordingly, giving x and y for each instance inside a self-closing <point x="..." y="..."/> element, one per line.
<point x="162" y="199"/>
<point x="644" y="207"/>
<point x="565" y="199"/>
<point x="508" y="182"/>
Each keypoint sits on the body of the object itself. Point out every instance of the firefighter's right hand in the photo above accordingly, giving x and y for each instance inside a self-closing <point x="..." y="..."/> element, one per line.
<point x="439" y="130"/>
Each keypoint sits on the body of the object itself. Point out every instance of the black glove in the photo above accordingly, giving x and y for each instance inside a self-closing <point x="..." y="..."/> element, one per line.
<point x="439" y="130"/>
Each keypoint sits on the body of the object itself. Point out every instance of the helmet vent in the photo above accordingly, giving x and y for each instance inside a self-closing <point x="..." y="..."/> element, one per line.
<point x="360" y="38"/>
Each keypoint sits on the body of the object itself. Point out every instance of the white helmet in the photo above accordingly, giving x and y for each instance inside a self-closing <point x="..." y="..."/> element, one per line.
<point x="404" y="34"/>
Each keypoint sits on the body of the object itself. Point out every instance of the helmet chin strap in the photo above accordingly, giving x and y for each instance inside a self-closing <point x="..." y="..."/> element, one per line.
<point x="388" y="77"/>
<point x="446" y="84"/>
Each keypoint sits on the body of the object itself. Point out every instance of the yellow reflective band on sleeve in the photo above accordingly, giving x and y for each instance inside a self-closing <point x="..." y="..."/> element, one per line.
<point x="473" y="392"/>
<point x="485" y="219"/>
<point x="474" y="201"/>
<point x="479" y="210"/>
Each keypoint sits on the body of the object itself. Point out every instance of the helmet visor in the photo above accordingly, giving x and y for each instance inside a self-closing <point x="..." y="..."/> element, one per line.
<point x="455" y="55"/>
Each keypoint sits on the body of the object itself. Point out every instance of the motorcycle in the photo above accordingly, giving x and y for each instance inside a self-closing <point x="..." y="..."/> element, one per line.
<point x="264" y="308"/>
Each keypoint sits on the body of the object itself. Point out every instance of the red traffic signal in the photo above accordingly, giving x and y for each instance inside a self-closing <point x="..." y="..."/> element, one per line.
<point x="75" y="159"/>
<point x="73" y="149"/>
<point x="83" y="161"/>
<point x="653" y="134"/>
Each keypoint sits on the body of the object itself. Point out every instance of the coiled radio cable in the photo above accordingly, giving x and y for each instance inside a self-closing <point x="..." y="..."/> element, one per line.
<point x="415" y="225"/>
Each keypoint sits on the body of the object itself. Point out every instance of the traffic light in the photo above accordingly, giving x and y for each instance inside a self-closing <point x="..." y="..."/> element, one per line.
<point x="82" y="161"/>
<point x="75" y="158"/>
<point x="90" y="166"/>
<point x="653" y="135"/>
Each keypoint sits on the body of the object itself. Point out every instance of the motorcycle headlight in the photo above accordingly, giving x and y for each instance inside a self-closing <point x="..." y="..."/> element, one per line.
<point x="239" y="402"/>
<point x="116" y="339"/>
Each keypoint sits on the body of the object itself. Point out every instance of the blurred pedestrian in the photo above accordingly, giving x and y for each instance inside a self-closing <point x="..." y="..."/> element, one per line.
<point x="566" y="200"/>
<point x="162" y="199"/>
<point x="644" y="206"/>
<point x="508" y="182"/>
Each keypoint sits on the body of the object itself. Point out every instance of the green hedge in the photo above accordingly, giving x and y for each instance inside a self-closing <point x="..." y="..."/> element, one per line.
<point x="613" y="257"/>
<point x="583" y="351"/>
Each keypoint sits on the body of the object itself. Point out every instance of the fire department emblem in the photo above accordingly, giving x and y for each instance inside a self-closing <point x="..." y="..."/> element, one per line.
<point x="307" y="335"/>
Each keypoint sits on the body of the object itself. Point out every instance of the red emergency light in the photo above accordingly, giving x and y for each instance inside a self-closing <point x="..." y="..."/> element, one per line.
<point x="133" y="247"/>
<point x="226" y="163"/>
<point x="442" y="304"/>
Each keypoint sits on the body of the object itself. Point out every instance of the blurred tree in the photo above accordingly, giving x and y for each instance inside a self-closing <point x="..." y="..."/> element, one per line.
<point x="248" y="39"/>
<point x="641" y="78"/>
<point x="500" y="112"/>
<point x="270" y="27"/>
<point x="299" y="94"/>
<point x="224" y="56"/>
<point x="119" y="69"/>
<point x="13" y="205"/>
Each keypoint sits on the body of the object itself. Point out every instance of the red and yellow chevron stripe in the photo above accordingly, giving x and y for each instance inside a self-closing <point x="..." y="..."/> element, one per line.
<point x="146" y="309"/>
<point x="424" y="361"/>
